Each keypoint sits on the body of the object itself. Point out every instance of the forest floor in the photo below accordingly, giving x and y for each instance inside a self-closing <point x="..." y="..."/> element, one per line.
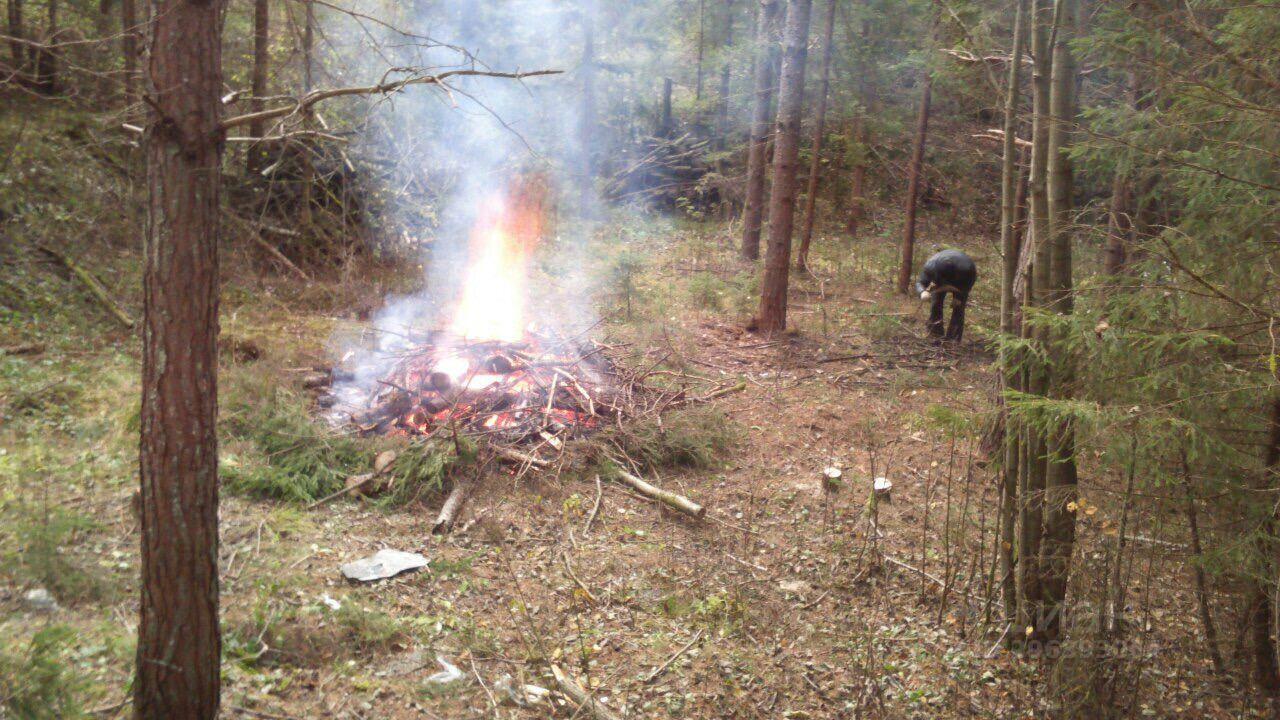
<point x="786" y="601"/>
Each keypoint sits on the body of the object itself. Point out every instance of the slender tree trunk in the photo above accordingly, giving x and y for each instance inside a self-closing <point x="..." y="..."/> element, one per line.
<point x="667" y="124"/>
<point x="1120" y="224"/>
<point x="1061" y="482"/>
<point x="1009" y="268"/>
<point x="129" y="51"/>
<point x="103" y="30"/>
<point x="782" y="208"/>
<point x="753" y="211"/>
<point x="722" y="109"/>
<point x="587" y="113"/>
<point x="1197" y="565"/>
<point x="261" y="58"/>
<point x="46" y="57"/>
<point x="916" y="168"/>
<point x="16" y="47"/>
<point x="861" y="137"/>
<point x="702" y="44"/>
<point x="308" y="59"/>
<point x="1266" y="672"/>
<point x="1034" y="467"/>
<point x="179" y="648"/>
<point x="819" y="128"/>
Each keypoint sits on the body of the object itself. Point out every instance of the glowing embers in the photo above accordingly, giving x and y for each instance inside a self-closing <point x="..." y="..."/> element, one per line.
<point x="538" y="388"/>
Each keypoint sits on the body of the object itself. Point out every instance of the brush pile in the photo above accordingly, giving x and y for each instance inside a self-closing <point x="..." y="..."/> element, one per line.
<point x="543" y="388"/>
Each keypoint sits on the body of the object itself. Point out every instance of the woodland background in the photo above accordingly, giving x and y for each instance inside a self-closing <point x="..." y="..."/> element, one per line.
<point x="1084" y="517"/>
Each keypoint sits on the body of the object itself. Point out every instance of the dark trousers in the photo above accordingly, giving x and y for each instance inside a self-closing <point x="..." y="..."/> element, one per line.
<point x="956" y="328"/>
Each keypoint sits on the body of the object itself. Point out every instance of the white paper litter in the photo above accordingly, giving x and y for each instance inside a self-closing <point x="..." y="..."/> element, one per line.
<point x="384" y="564"/>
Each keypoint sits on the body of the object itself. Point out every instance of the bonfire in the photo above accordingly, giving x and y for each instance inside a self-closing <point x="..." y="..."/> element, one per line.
<point x="489" y="373"/>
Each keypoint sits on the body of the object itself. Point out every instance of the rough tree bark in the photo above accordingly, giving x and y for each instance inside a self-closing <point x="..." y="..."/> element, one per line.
<point x="1009" y="268"/>
<point x="773" y="290"/>
<point x="1032" y="469"/>
<point x="179" y="648"/>
<point x="1061" y="479"/>
<point x="766" y="48"/>
<point x="916" y="168"/>
<point x="819" y="128"/>
<point x="261" y="58"/>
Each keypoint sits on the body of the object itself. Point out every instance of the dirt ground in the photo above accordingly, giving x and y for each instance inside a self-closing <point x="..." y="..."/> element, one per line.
<point x="791" y="599"/>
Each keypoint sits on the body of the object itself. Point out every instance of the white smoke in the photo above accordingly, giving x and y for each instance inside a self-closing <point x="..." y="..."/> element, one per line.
<point x="464" y="143"/>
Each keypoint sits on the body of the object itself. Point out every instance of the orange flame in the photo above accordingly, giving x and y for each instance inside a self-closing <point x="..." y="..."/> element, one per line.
<point x="502" y="241"/>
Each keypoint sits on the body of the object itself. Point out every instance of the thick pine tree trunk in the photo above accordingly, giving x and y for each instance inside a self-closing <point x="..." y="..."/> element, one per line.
<point x="261" y="59"/>
<point x="1009" y="269"/>
<point x="782" y="208"/>
<point x="819" y="128"/>
<point x="916" y="169"/>
<point x="1061" y="481"/>
<point x="766" y="48"/>
<point x="1033" y="468"/>
<point x="178" y="655"/>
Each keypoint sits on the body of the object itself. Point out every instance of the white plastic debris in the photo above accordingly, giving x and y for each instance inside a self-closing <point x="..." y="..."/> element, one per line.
<point x="520" y="695"/>
<point x="40" y="600"/>
<point x="449" y="674"/>
<point x="330" y="602"/>
<point x="384" y="564"/>
<point x="795" y="587"/>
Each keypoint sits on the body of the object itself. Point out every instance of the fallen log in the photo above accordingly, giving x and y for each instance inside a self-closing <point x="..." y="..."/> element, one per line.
<point x="91" y="284"/>
<point x="23" y="349"/>
<point x="580" y="697"/>
<point x="666" y="497"/>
